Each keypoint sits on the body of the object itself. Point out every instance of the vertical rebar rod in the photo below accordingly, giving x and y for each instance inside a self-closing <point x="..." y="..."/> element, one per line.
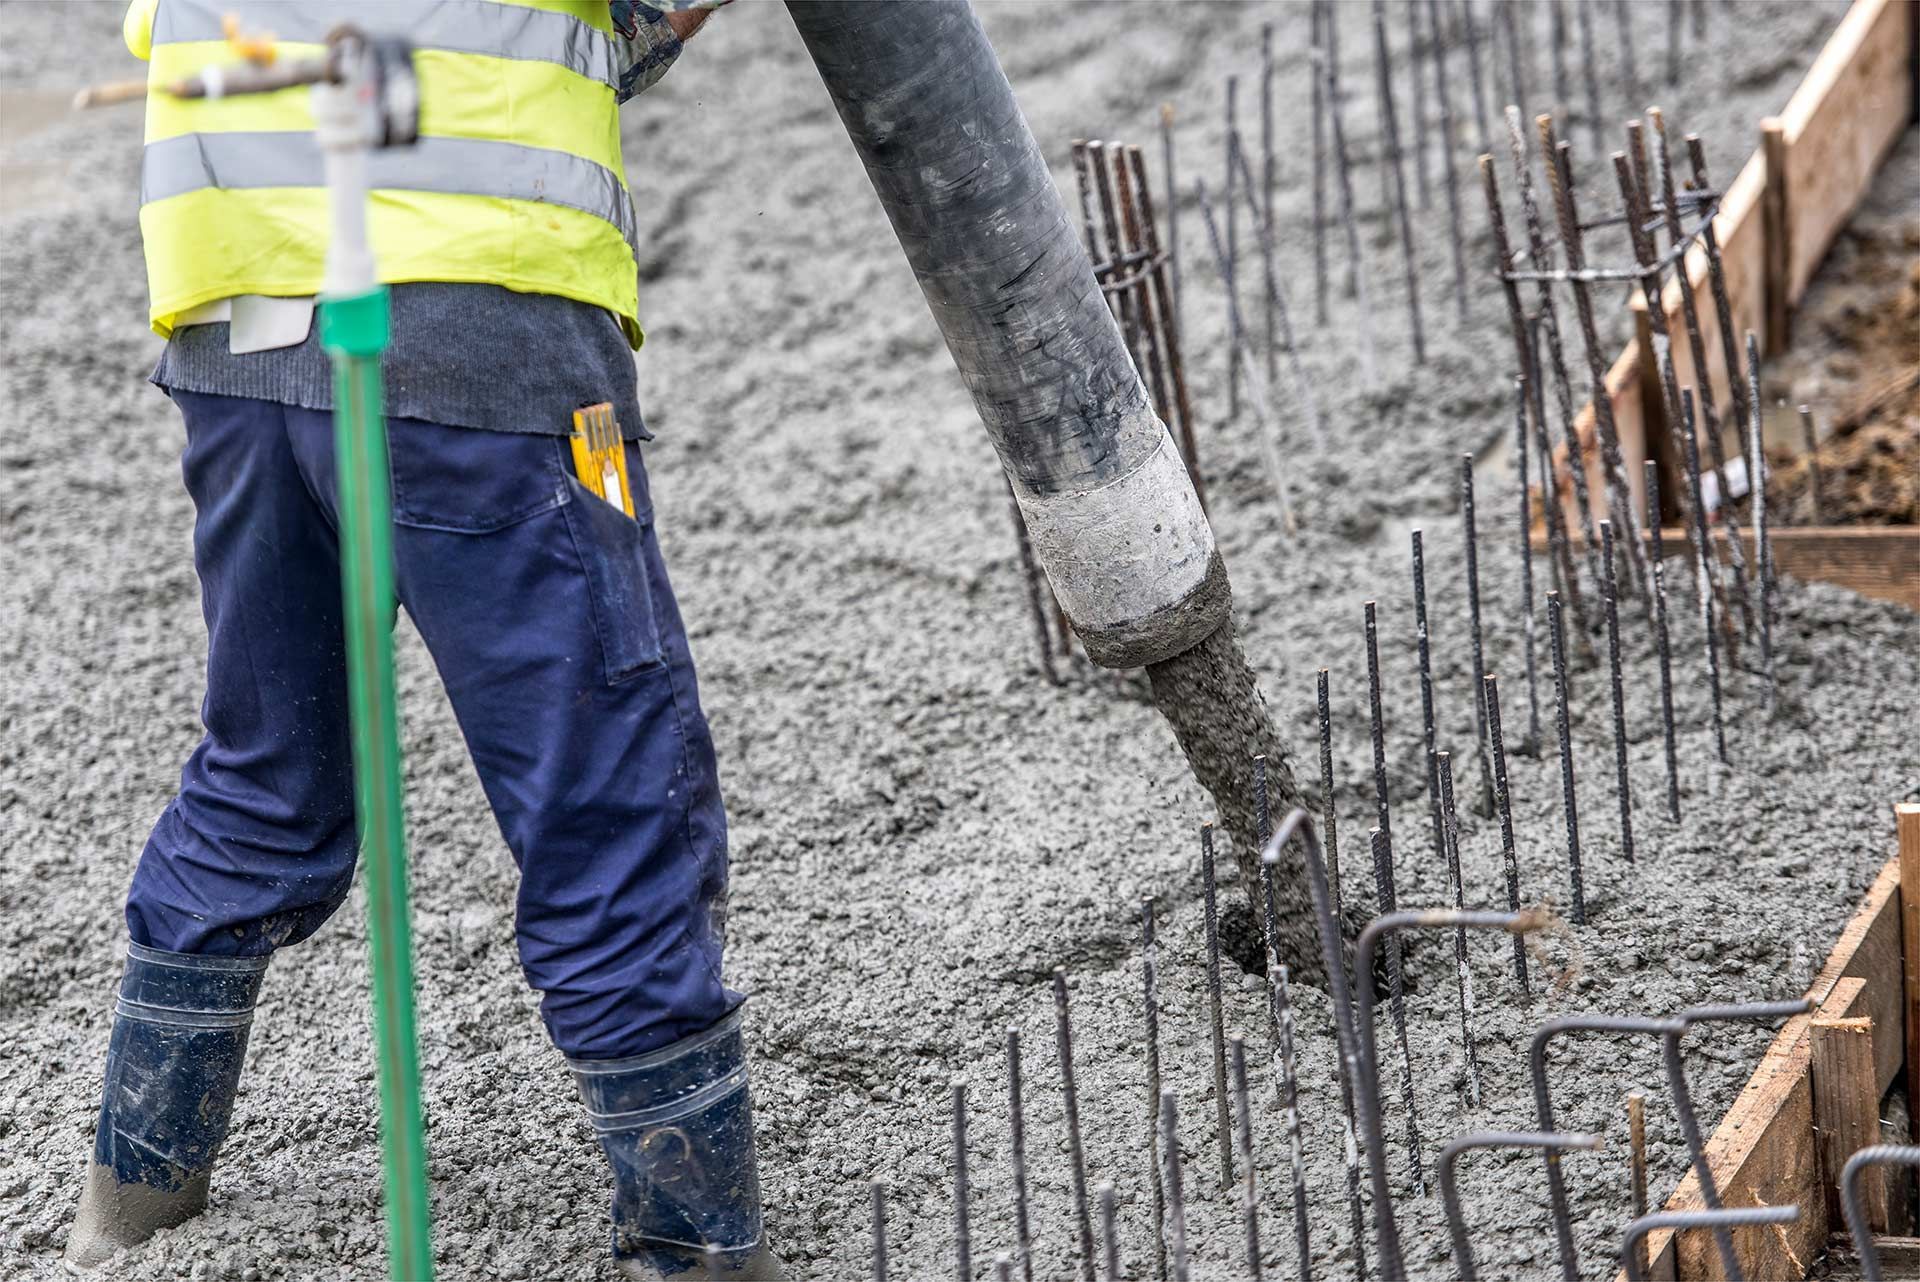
<point x="1541" y="259"/>
<point x="1002" y="1267"/>
<point x="1449" y="171"/>
<point x="1516" y="77"/>
<point x="1376" y="725"/>
<point x="1426" y="693"/>
<point x="1532" y="743"/>
<point x="1762" y="543"/>
<point x="1243" y="1142"/>
<point x="1397" y="1000"/>
<point x="1471" y="540"/>
<point x="1717" y="279"/>
<point x="1661" y="641"/>
<point x="877" y="1193"/>
<point x="1031" y="577"/>
<point x="1290" y="1108"/>
<point x="962" y="1237"/>
<point x="1126" y="301"/>
<point x="1462" y="974"/>
<point x="1109" y="1229"/>
<point x="1316" y="61"/>
<point x="1231" y="271"/>
<point x="1150" y="983"/>
<point x="1263" y="201"/>
<point x="1629" y="68"/>
<point x="1811" y="435"/>
<point x="1063" y="1039"/>
<point x="1697" y="349"/>
<point x="1583" y="11"/>
<point x="1673" y="43"/>
<point x="1357" y="287"/>
<point x="1166" y="295"/>
<point x="1623" y="784"/>
<point x="1384" y="71"/>
<point x="1700" y="571"/>
<point x="1017" y="1130"/>
<point x="1328" y="818"/>
<point x="1637" y="1165"/>
<point x="1509" y="857"/>
<point x="1176" y="1198"/>
<point x="1568" y="800"/>
<point x="1083" y="188"/>
<point x="1216" y="1028"/>
<point x="1470" y="27"/>
<point x="1417" y="64"/>
<point x="1525" y="353"/>
<point x="1173" y="212"/>
<point x="1557" y="32"/>
<point x="1281" y="315"/>
<point x="1612" y="465"/>
<point x="1116" y="188"/>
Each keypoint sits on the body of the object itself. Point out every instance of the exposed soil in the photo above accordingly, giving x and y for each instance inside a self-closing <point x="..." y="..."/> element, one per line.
<point x="922" y="826"/>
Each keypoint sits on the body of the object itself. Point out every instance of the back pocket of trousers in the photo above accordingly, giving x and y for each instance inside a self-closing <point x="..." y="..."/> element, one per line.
<point x="613" y="556"/>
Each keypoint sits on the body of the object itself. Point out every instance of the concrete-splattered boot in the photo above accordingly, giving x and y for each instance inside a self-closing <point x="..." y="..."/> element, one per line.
<point x="173" y="1062"/>
<point x="677" y="1126"/>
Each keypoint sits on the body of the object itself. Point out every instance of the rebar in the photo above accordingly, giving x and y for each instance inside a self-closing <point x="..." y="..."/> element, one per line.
<point x="1540" y="257"/>
<point x="962" y="1238"/>
<point x="1243" y="1142"/>
<point x="1612" y="467"/>
<point x="1063" y="1040"/>
<point x="1426" y="693"/>
<point x="1264" y="202"/>
<point x="1083" y="187"/>
<point x="1531" y="746"/>
<point x="1450" y="176"/>
<point x="1660" y="640"/>
<point x="1557" y="636"/>
<point x="1383" y="71"/>
<point x="1327" y="816"/>
<point x="1176" y="1198"/>
<point x="1031" y="577"/>
<point x="1232" y="259"/>
<point x="1697" y="349"/>
<point x="1279" y="313"/>
<point x="1683" y="1101"/>
<point x="1629" y="69"/>
<point x="1471" y="29"/>
<point x="1002" y="1267"/>
<point x="1290" y="1109"/>
<point x="1173" y="212"/>
<point x="1397" y="1001"/>
<point x="1719" y="1221"/>
<point x="1583" y="10"/>
<point x="1812" y="438"/>
<point x="1717" y="278"/>
<point x="1509" y="858"/>
<point x="1673" y="43"/>
<point x="1762" y="545"/>
<point x="1551" y="1142"/>
<point x="1850" y="1205"/>
<point x="1701" y="573"/>
<point x="1257" y="394"/>
<point x="1472" y="543"/>
<point x="1109" y="1229"/>
<point x="1462" y="974"/>
<point x="877" y="1192"/>
<point x="1376" y="724"/>
<point x="1517" y="89"/>
<point x="1316" y="59"/>
<point x="1166" y="297"/>
<point x="1116" y="190"/>
<point x="1637" y="1162"/>
<point x="1343" y="169"/>
<point x="1215" y="1026"/>
<point x="1416" y="61"/>
<point x="1623" y="785"/>
<point x="1017" y="1130"/>
<point x="1525" y="349"/>
<point x="1543" y="1109"/>
<point x="1557" y="31"/>
<point x="1150" y="982"/>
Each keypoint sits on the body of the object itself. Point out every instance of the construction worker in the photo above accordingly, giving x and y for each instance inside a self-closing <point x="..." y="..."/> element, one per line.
<point x="509" y="240"/>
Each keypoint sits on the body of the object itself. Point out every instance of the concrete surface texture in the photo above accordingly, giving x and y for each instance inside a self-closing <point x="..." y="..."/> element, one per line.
<point x="922" y="826"/>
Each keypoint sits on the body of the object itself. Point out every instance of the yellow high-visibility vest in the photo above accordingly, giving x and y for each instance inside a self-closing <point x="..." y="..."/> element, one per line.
<point x="516" y="179"/>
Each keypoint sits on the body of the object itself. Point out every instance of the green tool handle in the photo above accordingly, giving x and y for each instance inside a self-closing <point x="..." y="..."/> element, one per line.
<point x="354" y="328"/>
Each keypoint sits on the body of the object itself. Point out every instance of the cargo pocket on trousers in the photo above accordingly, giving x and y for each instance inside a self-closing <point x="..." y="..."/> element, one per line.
<point x="613" y="555"/>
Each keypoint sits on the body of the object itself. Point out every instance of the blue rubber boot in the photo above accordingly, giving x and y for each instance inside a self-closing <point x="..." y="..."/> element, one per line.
<point x="677" y="1126"/>
<point x="173" y="1062"/>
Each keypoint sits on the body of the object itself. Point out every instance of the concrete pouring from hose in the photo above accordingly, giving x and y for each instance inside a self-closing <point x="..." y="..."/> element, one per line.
<point x="1107" y="502"/>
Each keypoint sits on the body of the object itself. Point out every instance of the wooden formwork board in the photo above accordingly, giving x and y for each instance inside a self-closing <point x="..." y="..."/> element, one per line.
<point x="1777" y="218"/>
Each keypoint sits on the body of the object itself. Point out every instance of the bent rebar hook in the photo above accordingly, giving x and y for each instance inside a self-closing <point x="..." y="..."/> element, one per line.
<point x="1551" y="1141"/>
<point x="1872" y="1155"/>
<point x="1719" y="1221"/>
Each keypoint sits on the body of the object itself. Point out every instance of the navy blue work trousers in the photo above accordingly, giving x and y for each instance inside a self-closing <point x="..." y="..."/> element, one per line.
<point x="548" y="614"/>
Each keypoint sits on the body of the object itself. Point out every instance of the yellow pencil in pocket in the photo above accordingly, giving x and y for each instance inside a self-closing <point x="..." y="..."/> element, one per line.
<point x="599" y="457"/>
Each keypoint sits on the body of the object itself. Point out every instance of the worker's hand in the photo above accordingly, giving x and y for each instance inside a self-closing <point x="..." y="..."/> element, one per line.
<point x="649" y="37"/>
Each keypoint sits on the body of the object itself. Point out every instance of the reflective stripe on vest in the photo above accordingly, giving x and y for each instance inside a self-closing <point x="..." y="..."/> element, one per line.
<point x="461" y="166"/>
<point x="485" y="27"/>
